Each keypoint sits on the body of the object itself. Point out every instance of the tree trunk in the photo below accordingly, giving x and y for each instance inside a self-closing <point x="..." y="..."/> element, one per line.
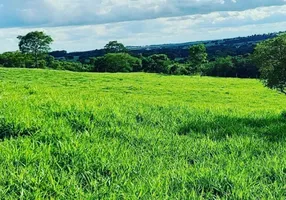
<point x="36" y="60"/>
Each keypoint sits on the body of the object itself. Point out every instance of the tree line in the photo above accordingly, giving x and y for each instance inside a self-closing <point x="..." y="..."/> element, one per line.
<point x="268" y="60"/>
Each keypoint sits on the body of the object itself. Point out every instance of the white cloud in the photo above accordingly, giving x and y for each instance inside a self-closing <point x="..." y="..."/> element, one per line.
<point x="162" y="30"/>
<point x="83" y="12"/>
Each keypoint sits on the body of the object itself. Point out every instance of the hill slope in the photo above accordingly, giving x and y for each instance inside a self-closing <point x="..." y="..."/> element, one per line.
<point x="105" y="136"/>
<point x="215" y="48"/>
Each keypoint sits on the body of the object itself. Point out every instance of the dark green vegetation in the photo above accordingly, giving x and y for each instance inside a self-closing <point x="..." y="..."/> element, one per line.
<point x="115" y="47"/>
<point x="217" y="48"/>
<point x="35" y="44"/>
<point x="223" y="58"/>
<point x="116" y="62"/>
<point x="67" y="135"/>
<point x="20" y="60"/>
<point x="240" y="66"/>
<point x="270" y="57"/>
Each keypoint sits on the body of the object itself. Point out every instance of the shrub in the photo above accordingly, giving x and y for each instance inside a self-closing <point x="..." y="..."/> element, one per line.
<point x="116" y="62"/>
<point x="222" y="67"/>
<point x="157" y="63"/>
<point x="72" y="66"/>
<point x="16" y="60"/>
<point x="178" y="69"/>
<point x="283" y="114"/>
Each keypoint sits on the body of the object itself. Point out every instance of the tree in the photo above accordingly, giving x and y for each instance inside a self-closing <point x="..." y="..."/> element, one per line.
<point x="244" y="67"/>
<point x="222" y="67"/>
<point x="270" y="57"/>
<point x="116" y="62"/>
<point x="16" y="60"/>
<point x="157" y="63"/>
<point x="35" y="43"/>
<point x="114" y="47"/>
<point x="198" y="56"/>
<point x="178" y="69"/>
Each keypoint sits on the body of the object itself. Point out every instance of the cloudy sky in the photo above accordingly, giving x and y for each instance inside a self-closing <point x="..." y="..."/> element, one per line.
<point x="79" y="25"/>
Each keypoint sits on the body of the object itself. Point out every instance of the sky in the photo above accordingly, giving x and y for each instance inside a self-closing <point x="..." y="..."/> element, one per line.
<point x="78" y="25"/>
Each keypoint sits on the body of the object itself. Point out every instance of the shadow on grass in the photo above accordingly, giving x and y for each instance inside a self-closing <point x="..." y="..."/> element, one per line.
<point x="79" y="121"/>
<point x="13" y="130"/>
<point x="220" y="127"/>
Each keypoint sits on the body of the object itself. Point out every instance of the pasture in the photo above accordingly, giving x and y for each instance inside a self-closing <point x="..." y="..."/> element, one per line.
<point x="66" y="135"/>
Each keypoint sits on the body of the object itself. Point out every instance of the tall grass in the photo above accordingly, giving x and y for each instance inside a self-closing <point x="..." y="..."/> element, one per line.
<point x="70" y="135"/>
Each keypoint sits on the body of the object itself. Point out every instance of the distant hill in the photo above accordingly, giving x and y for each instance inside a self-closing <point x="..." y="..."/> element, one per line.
<point x="231" y="46"/>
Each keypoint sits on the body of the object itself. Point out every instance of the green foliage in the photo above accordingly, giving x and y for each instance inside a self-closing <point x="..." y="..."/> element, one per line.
<point x="223" y="67"/>
<point x="198" y="57"/>
<point x="157" y="63"/>
<point x="283" y="114"/>
<point x="16" y="60"/>
<point x="238" y="66"/>
<point x="245" y="67"/>
<point x="116" y="62"/>
<point x="270" y="57"/>
<point x="115" y="47"/>
<point x="70" y="135"/>
<point x="72" y="66"/>
<point x="35" y="43"/>
<point x="178" y="69"/>
<point x="20" y="60"/>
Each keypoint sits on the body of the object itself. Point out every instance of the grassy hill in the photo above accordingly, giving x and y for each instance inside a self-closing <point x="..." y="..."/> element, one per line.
<point x="67" y="135"/>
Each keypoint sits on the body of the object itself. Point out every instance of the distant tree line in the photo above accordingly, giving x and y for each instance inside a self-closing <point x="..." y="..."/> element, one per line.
<point x="236" y="66"/>
<point x="180" y="52"/>
<point x="268" y="60"/>
<point x="19" y="60"/>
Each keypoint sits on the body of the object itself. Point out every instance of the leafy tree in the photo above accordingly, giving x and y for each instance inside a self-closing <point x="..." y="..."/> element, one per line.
<point x="16" y="60"/>
<point x="157" y="63"/>
<point x="238" y="66"/>
<point x="35" y="43"/>
<point x="71" y="66"/>
<point x="114" y="47"/>
<point x="198" y="57"/>
<point x="20" y="60"/>
<point x="178" y="69"/>
<point x="225" y="67"/>
<point x="222" y="67"/>
<point x="116" y="62"/>
<point x="244" y="67"/>
<point x="270" y="57"/>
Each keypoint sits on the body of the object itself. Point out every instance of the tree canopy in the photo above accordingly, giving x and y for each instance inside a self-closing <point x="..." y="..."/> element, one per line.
<point x="270" y="57"/>
<point x="198" y="56"/>
<point x="114" y="47"/>
<point x="157" y="63"/>
<point x="116" y="62"/>
<point x="35" y="43"/>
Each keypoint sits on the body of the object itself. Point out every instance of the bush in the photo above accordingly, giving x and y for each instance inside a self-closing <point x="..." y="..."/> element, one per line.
<point x="116" y="62"/>
<point x="157" y="63"/>
<point x="72" y="66"/>
<point x="178" y="69"/>
<point x="222" y="67"/>
<point x="239" y="66"/>
<point x="283" y="114"/>
<point x="16" y="60"/>
<point x="244" y="67"/>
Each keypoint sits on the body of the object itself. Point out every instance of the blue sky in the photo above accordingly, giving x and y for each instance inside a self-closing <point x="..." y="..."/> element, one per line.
<point x="79" y="25"/>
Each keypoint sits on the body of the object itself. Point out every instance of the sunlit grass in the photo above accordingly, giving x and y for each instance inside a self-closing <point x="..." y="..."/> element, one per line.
<point x="70" y="135"/>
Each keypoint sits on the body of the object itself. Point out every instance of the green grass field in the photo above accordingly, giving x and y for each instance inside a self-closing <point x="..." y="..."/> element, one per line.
<point x="67" y="135"/>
